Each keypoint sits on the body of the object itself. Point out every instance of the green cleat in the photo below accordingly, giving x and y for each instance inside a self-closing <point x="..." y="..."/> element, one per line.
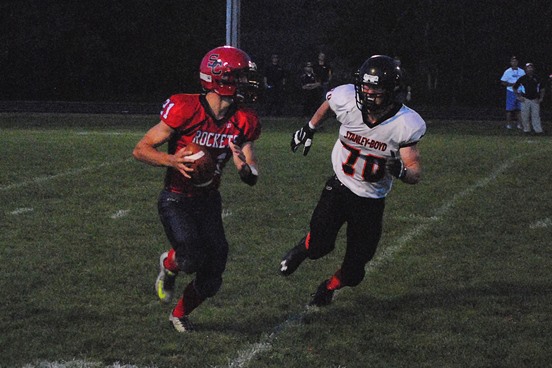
<point x="164" y="285"/>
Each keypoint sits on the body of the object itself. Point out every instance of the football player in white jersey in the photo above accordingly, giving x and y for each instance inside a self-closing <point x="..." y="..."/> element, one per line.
<point x="377" y="143"/>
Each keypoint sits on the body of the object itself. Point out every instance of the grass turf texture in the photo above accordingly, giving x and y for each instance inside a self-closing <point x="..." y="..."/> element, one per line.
<point x="461" y="278"/>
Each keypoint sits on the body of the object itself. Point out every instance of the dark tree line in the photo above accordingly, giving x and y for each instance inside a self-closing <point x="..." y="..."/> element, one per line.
<point x="144" y="50"/>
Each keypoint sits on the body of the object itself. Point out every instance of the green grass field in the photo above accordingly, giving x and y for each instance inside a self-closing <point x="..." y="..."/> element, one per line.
<point x="462" y="277"/>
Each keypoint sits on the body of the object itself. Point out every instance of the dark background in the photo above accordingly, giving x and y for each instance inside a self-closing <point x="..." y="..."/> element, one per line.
<point x="145" y="50"/>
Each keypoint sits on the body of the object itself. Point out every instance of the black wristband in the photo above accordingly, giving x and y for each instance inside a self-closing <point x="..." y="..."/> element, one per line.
<point x="248" y="177"/>
<point x="402" y="174"/>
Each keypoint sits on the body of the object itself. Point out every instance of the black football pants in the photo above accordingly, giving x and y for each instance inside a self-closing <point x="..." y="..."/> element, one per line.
<point x="364" y="218"/>
<point x="194" y="228"/>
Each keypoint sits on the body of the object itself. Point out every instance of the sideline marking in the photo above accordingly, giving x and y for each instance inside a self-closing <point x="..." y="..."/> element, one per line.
<point x="42" y="179"/>
<point x="77" y="363"/>
<point x="247" y="354"/>
<point x="416" y="218"/>
<point x="109" y="133"/>
<point x="19" y="211"/>
<point x="541" y="224"/>
<point x="120" y="214"/>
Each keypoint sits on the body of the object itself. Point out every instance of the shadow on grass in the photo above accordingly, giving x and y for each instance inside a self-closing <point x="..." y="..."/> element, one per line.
<point x="493" y="297"/>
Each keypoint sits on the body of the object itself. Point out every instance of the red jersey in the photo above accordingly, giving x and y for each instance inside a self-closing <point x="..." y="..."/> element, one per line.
<point x="189" y="115"/>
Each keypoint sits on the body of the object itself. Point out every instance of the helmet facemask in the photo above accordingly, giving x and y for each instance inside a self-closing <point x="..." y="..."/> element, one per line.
<point x="380" y="75"/>
<point x="245" y="82"/>
<point x="372" y="99"/>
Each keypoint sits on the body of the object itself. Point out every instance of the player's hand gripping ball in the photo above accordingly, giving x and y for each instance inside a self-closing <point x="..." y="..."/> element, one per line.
<point x="203" y="165"/>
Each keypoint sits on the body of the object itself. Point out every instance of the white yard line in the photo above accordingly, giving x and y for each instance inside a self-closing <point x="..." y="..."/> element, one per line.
<point x="120" y="214"/>
<point x="416" y="218"/>
<point x="133" y="134"/>
<point x="541" y="224"/>
<point x="21" y="210"/>
<point x="42" y="179"/>
<point x="77" y="363"/>
<point x="246" y="355"/>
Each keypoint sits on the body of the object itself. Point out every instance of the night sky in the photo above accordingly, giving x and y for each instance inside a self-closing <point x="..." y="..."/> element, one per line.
<point x="143" y="50"/>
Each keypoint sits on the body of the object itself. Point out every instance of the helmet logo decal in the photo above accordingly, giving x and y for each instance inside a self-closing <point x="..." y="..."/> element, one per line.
<point x="367" y="78"/>
<point x="214" y="63"/>
<point x="205" y="77"/>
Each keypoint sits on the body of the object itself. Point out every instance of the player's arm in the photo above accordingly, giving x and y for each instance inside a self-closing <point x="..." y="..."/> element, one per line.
<point x="320" y="115"/>
<point x="304" y="135"/>
<point x="245" y="161"/>
<point x="410" y="157"/>
<point x="146" y="150"/>
<point x="406" y="166"/>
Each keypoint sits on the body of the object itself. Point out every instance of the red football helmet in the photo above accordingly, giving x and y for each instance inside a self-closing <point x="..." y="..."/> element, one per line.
<point x="228" y="71"/>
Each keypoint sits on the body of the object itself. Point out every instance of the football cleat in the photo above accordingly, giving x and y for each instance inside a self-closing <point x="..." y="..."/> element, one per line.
<point x="164" y="285"/>
<point x="322" y="296"/>
<point x="181" y="324"/>
<point x="293" y="259"/>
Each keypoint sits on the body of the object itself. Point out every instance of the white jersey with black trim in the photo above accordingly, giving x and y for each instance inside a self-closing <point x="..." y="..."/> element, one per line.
<point x="359" y="155"/>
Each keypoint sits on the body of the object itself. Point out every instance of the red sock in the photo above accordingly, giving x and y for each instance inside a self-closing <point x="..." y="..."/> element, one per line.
<point x="189" y="301"/>
<point x="335" y="281"/>
<point x="307" y="241"/>
<point x="170" y="262"/>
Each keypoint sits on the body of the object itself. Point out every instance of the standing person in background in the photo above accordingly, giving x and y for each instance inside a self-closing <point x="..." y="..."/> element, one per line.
<point x="550" y="86"/>
<point x="407" y="90"/>
<point x="274" y="84"/>
<point x="324" y="71"/>
<point x="513" y="106"/>
<point x="529" y="89"/>
<point x="377" y="143"/>
<point x="311" y="89"/>
<point x="190" y="214"/>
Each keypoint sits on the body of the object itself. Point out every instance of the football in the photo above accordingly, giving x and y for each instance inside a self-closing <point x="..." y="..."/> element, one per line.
<point x="204" y="166"/>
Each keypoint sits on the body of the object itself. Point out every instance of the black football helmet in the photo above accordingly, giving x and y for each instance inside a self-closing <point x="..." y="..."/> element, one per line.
<point x="378" y="72"/>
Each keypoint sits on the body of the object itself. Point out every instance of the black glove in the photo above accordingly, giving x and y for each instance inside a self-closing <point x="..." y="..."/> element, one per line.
<point x="302" y="136"/>
<point x="249" y="175"/>
<point x="395" y="166"/>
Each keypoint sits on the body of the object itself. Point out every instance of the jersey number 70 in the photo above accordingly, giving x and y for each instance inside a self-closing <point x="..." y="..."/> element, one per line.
<point x="374" y="166"/>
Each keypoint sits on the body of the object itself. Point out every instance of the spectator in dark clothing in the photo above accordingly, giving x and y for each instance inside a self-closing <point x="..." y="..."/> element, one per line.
<point x="324" y="71"/>
<point x="311" y="90"/>
<point x="407" y="90"/>
<point x="529" y="89"/>
<point x="550" y="85"/>
<point x="274" y="84"/>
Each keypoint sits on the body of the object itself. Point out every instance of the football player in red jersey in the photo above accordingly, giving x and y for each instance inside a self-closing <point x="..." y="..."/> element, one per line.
<point x="191" y="215"/>
<point x="377" y="143"/>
